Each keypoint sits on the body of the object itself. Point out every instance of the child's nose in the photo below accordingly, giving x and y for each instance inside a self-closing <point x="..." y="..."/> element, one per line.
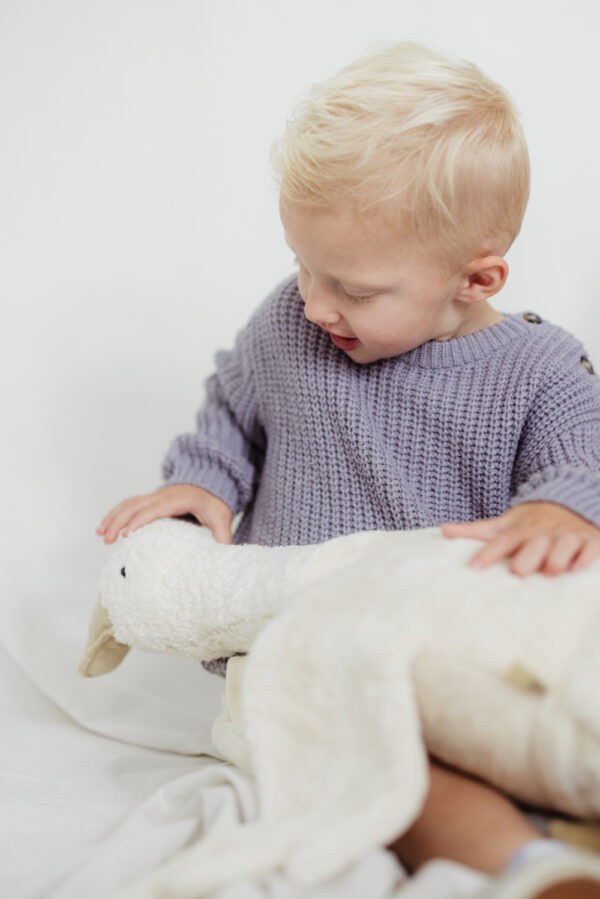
<point x="318" y="308"/>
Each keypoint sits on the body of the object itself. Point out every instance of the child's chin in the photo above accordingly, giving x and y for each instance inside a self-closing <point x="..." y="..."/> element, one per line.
<point x="363" y="356"/>
<point x="373" y="356"/>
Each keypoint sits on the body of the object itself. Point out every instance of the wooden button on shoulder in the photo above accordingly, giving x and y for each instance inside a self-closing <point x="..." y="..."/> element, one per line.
<point x="587" y="365"/>
<point x="532" y="317"/>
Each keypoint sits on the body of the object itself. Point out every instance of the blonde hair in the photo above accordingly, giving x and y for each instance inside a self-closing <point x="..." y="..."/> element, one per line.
<point x="426" y="140"/>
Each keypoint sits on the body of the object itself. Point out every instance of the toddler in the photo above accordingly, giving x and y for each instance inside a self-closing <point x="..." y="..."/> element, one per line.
<point x="379" y="389"/>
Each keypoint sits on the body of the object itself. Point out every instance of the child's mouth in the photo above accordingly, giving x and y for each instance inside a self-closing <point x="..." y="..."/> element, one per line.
<point x="344" y="343"/>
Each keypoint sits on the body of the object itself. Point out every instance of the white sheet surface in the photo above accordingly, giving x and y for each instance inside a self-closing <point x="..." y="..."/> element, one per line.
<point x="103" y="779"/>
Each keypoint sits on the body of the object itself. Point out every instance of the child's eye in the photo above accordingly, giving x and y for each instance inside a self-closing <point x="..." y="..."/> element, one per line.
<point x="355" y="297"/>
<point x="359" y="298"/>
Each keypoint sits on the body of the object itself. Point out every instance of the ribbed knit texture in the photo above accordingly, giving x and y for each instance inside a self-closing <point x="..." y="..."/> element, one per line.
<point x="311" y="445"/>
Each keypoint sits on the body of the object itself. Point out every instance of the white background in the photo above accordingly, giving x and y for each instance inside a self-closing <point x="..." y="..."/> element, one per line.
<point x="139" y="227"/>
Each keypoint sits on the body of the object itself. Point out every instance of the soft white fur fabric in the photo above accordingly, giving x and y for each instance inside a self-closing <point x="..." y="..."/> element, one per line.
<point x="363" y="651"/>
<point x="183" y="593"/>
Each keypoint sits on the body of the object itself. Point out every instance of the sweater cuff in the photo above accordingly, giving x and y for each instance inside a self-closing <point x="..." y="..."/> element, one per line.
<point x="578" y="489"/>
<point x="212" y="477"/>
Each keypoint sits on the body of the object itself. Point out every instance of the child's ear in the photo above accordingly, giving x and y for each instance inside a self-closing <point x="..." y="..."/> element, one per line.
<point x="482" y="278"/>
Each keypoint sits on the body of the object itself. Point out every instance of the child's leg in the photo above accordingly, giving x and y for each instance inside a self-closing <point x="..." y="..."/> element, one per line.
<point x="466" y="821"/>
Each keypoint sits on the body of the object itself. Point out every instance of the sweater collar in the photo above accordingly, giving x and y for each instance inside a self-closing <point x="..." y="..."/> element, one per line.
<point x="470" y="348"/>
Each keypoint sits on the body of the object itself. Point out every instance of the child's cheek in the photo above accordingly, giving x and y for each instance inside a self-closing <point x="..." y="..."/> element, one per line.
<point x="302" y="283"/>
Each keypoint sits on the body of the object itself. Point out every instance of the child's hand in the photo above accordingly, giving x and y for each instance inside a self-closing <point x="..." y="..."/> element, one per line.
<point x="169" y="501"/>
<point x="542" y="536"/>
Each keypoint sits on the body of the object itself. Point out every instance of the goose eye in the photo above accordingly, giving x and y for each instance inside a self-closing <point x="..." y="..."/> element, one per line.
<point x="123" y="572"/>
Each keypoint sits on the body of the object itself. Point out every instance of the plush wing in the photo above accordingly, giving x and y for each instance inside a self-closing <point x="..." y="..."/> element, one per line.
<point x="103" y="653"/>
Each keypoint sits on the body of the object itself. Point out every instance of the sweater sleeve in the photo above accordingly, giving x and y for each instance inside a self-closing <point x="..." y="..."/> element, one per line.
<point x="225" y="453"/>
<point x="558" y="458"/>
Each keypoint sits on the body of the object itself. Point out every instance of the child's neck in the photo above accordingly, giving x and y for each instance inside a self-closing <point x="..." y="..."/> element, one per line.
<point x="482" y="317"/>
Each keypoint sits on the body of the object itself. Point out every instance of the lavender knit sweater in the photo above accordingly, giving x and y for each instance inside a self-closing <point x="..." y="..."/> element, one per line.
<point x="310" y="445"/>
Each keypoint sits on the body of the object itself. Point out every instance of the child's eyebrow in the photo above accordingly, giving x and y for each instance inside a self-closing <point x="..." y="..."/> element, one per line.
<point x="350" y="285"/>
<point x="365" y="288"/>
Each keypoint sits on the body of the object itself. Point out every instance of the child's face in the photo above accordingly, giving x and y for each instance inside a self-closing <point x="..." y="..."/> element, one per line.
<point x="372" y="295"/>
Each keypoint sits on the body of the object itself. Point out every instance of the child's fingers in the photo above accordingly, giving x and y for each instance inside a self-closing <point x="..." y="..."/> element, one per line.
<point x="123" y="514"/>
<point x="107" y="520"/>
<point x="502" y="547"/>
<point x="151" y="512"/>
<point x="221" y="530"/>
<point x="179" y="504"/>
<point x="107" y="528"/>
<point x="137" y="511"/>
<point x="122" y="517"/>
<point x="531" y="555"/>
<point x="564" y="549"/>
<point x="484" y="529"/>
<point x="114" y="528"/>
<point x="588" y="554"/>
<point x="118" y="512"/>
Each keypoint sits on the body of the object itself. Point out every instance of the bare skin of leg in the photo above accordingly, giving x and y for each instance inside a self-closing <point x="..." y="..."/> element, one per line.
<point x="572" y="889"/>
<point x="466" y="821"/>
<point x="471" y="823"/>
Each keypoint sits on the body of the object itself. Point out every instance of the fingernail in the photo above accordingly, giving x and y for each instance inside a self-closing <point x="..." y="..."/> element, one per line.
<point x="477" y="564"/>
